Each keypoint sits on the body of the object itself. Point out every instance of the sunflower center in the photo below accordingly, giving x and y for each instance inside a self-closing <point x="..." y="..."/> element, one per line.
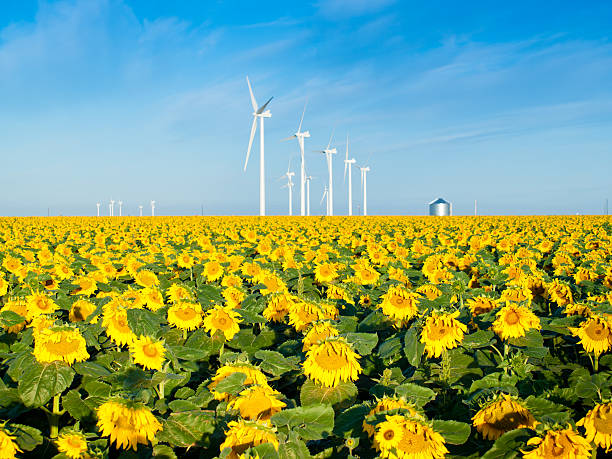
<point x="150" y="350"/>
<point x="438" y="331"/>
<point x="74" y="442"/>
<point x="186" y="313"/>
<point x="389" y="434"/>
<point x="331" y="360"/>
<point x="42" y="304"/>
<point x="222" y="321"/>
<point x="399" y="302"/>
<point x="597" y="331"/>
<point x="64" y="346"/>
<point x="512" y="318"/>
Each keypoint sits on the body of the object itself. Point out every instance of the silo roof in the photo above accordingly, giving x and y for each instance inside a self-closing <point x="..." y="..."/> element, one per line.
<point x="439" y="201"/>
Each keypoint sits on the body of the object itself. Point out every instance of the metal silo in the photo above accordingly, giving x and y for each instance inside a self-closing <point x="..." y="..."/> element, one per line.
<point x="440" y="208"/>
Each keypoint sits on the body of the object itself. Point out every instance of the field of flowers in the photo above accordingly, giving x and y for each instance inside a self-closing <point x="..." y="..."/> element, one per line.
<point x="244" y="337"/>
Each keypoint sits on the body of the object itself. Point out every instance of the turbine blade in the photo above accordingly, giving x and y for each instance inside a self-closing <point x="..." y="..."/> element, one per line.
<point x="263" y="107"/>
<point x="302" y="118"/>
<point x="253" y="102"/>
<point x="345" y="166"/>
<point x="253" y="129"/>
<point x="324" y="194"/>
<point x="347" y="144"/>
<point x="330" y="138"/>
<point x="288" y="138"/>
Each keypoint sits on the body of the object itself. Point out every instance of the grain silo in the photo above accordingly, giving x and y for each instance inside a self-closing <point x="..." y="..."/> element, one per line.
<point x="440" y="208"/>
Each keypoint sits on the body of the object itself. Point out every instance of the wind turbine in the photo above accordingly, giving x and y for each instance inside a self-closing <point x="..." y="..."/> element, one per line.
<point x="325" y="194"/>
<point x="98" y="207"/>
<point x="152" y="208"/>
<point x="260" y="113"/>
<point x="112" y="208"/>
<point x="364" y="170"/>
<point x="328" y="152"/>
<point x="289" y="185"/>
<point x="120" y="206"/>
<point x="308" y="179"/>
<point x="347" y="166"/>
<point x="300" y="136"/>
<point x="140" y="208"/>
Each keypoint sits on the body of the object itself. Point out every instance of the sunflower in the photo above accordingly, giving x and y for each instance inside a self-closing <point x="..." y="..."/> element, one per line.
<point x="146" y="278"/>
<point x="365" y="274"/>
<point x="319" y="331"/>
<point x="223" y="319"/>
<point x="513" y="321"/>
<point x="39" y="324"/>
<point x="81" y="310"/>
<point x="185" y="260"/>
<point x="399" y="304"/>
<point x="18" y="306"/>
<point x="502" y="415"/>
<point x="577" y="309"/>
<point x="242" y="435"/>
<point x="332" y="361"/>
<point x="559" y="292"/>
<point x="234" y="296"/>
<point x="86" y="286"/>
<point x="335" y="292"/>
<point x="430" y="291"/>
<point x="177" y="293"/>
<point x="598" y="425"/>
<point x="116" y="323"/>
<point x="127" y="424"/>
<point x="153" y="298"/>
<point x="231" y="280"/>
<point x="401" y="437"/>
<point x="39" y="303"/>
<point x="4" y="285"/>
<point x="72" y="444"/>
<point x="186" y="316"/>
<point x="325" y="272"/>
<point x="302" y="313"/>
<point x="386" y="404"/>
<point x="564" y="444"/>
<point x="213" y="271"/>
<point x="8" y="447"/>
<point x="278" y="307"/>
<point x="257" y="403"/>
<point x="481" y="304"/>
<point x="148" y="352"/>
<point x="272" y="283"/>
<point x="253" y="376"/>
<point x="441" y="332"/>
<point x="60" y="343"/>
<point x="595" y="335"/>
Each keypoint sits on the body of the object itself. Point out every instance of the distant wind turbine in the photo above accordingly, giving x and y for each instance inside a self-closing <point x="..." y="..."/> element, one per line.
<point x="261" y="113"/>
<point x="300" y="136"/>
<point x="120" y="206"/>
<point x="328" y="152"/>
<point x="98" y="207"/>
<point x="112" y="208"/>
<point x="140" y="208"/>
<point x="364" y="187"/>
<point x="325" y="195"/>
<point x="152" y="208"/>
<point x="289" y="186"/>
<point x="347" y="167"/>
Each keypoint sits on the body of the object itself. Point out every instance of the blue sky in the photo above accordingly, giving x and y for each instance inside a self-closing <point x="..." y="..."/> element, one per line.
<point x="508" y="103"/>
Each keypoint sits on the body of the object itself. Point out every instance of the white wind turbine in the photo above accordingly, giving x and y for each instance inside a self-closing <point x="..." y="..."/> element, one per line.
<point x="289" y="186"/>
<point x="140" y="208"/>
<point x="308" y="179"/>
<point x="152" y="208"/>
<point x="111" y="208"/>
<point x="364" y="184"/>
<point x="98" y="207"/>
<point x="347" y="166"/>
<point x="300" y="136"/>
<point x="326" y="194"/>
<point x="328" y="152"/>
<point x="260" y="113"/>
<point x="120" y="206"/>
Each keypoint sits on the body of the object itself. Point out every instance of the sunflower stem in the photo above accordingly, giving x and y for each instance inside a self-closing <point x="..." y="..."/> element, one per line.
<point x="54" y="418"/>
<point x="596" y="363"/>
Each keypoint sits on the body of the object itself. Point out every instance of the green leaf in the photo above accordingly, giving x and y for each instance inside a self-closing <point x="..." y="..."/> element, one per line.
<point x="310" y="423"/>
<point x="481" y="338"/>
<point x="231" y="384"/>
<point x="41" y="382"/>
<point x="362" y="342"/>
<point x="294" y="448"/>
<point x="246" y="341"/>
<point x="75" y="406"/>
<point x="182" y="430"/>
<point x="391" y="350"/>
<point x="192" y="354"/>
<point x="508" y="445"/>
<point x="454" y="432"/>
<point x="496" y="382"/>
<point x="340" y="396"/>
<point x="349" y="423"/>
<point x="163" y="452"/>
<point x="10" y="319"/>
<point x="413" y="348"/>
<point x="416" y="394"/>
<point x="250" y="317"/>
<point x="375" y="321"/>
<point x="90" y="369"/>
<point x="275" y="364"/>
<point x="27" y="437"/>
<point x="546" y="411"/>
<point x="210" y="294"/>
<point x="143" y="322"/>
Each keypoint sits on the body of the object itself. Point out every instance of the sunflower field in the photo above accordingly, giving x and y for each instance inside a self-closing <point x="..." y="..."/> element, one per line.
<point x="288" y="337"/>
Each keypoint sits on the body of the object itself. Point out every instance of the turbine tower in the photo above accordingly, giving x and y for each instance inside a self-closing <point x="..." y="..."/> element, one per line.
<point x="364" y="187"/>
<point x="112" y="208"/>
<point x="98" y="207"/>
<point x="308" y="179"/>
<point x="328" y="152"/>
<point x="120" y="206"/>
<point x="260" y="113"/>
<point x="152" y="208"/>
<point x="300" y="136"/>
<point x="347" y="166"/>
<point x="140" y="208"/>
<point x="325" y="194"/>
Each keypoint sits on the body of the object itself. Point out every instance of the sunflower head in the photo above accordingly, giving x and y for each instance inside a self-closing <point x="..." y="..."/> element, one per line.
<point x="128" y="424"/>
<point x="72" y="444"/>
<point x="332" y="361"/>
<point x="598" y="425"/>
<point x="563" y="443"/>
<point x="60" y="344"/>
<point x="513" y="321"/>
<point x="441" y="332"/>
<point x="502" y="415"/>
<point x="222" y="319"/>
<point x="399" y="436"/>
<point x="148" y="352"/>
